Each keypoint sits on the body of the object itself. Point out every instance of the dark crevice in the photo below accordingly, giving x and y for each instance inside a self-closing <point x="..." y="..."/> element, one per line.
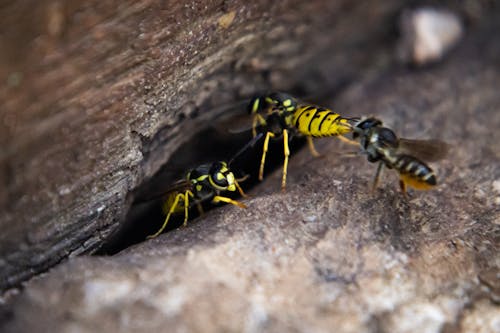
<point x="145" y="215"/>
<point x="218" y="142"/>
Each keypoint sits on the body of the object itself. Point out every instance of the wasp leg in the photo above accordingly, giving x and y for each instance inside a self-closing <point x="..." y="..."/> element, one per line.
<point x="254" y="126"/>
<point x="178" y="197"/>
<point x="264" y="152"/>
<point x="377" y="176"/>
<point x="312" y="149"/>
<point x="351" y="154"/>
<point x="186" y="206"/>
<point x="200" y="209"/>
<point x="349" y="141"/>
<point x="287" y="154"/>
<point x="402" y="185"/>
<point x="257" y="119"/>
<point x="218" y="198"/>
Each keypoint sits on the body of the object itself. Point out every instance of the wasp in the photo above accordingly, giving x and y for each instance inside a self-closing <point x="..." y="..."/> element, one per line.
<point x="279" y="115"/>
<point x="381" y="145"/>
<point x="206" y="182"/>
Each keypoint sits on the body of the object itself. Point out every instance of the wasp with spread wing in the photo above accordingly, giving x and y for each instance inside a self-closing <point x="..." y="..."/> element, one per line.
<point x="381" y="145"/>
<point x="280" y="115"/>
<point x="206" y="182"/>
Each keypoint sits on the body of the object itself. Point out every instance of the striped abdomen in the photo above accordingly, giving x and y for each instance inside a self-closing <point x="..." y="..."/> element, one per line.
<point x="414" y="172"/>
<point x="319" y="122"/>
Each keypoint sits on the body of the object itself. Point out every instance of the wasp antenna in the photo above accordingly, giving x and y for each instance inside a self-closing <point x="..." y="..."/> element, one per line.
<point x="249" y="144"/>
<point x="353" y="121"/>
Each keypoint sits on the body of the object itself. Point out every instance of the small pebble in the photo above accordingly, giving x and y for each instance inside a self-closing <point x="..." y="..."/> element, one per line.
<point x="427" y="34"/>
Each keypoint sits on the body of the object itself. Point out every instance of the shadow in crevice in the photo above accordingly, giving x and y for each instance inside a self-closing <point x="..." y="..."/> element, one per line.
<point x="145" y="216"/>
<point x="216" y="143"/>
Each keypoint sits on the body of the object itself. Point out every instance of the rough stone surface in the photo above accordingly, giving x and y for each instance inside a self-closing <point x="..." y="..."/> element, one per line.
<point x="327" y="255"/>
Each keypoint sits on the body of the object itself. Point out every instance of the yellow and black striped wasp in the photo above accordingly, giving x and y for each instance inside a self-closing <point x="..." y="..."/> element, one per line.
<point x="381" y="145"/>
<point x="279" y="115"/>
<point x="206" y="182"/>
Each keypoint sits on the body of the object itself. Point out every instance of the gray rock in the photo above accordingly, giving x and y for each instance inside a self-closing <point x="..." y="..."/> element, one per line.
<point x="427" y="34"/>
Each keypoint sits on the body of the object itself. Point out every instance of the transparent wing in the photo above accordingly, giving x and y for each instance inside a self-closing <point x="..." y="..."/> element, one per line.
<point x="179" y="186"/>
<point x="232" y="118"/>
<point x="426" y="150"/>
<point x="234" y="124"/>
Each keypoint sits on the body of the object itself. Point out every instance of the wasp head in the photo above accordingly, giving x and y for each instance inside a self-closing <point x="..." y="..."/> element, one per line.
<point x="273" y="102"/>
<point x="221" y="178"/>
<point x="362" y="127"/>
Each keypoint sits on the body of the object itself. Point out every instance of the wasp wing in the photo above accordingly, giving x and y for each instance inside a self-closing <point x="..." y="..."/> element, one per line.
<point x="234" y="124"/>
<point x="179" y="186"/>
<point x="426" y="150"/>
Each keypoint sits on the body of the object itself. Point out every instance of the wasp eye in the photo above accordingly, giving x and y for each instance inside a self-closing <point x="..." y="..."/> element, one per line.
<point x="284" y="101"/>
<point x="218" y="173"/>
<point x="369" y="123"/>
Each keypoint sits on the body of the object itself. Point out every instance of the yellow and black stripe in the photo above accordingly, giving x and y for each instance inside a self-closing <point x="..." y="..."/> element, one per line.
<point x="414" y="173"/>
<point x="279" y="115"/>
<point x="319" y="122"/>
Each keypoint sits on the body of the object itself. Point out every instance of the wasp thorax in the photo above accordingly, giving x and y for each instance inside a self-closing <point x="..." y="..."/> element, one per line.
<point x="388" y="137"/>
